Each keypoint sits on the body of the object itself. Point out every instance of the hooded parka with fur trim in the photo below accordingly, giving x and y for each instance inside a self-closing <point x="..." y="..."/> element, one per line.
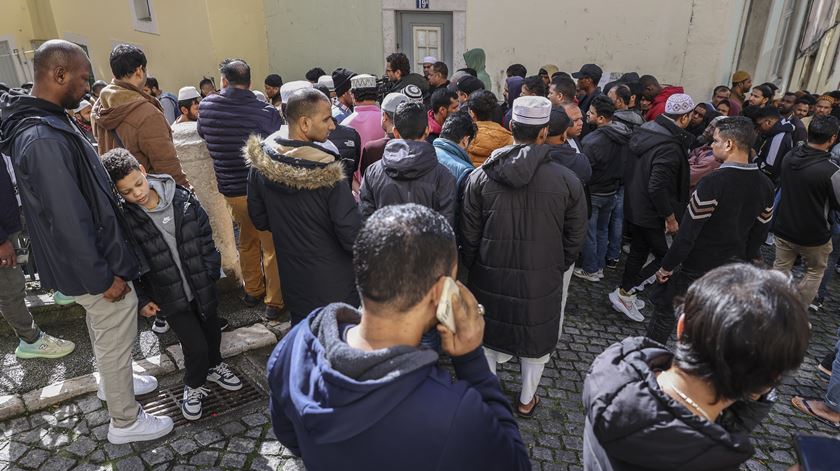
<point x="300" y="193"/>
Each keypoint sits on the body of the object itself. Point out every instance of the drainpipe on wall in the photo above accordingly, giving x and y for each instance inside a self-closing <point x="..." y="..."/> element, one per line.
<point x="790" y="63"/>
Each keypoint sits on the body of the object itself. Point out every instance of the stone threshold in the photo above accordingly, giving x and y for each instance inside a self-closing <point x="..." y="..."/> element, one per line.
<point x="234" y="343"/>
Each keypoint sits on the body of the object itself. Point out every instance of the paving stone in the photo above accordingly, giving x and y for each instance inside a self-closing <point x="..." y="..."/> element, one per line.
<point x="10" y="406"/>
<point x="271" y="447"/>
<point x="232" y="428"/>
<point x="255" y="420"/>
<point x="241" y="445"/>
<point x="182" y="467"/>
<point x="184" y="446"/>
<point x="132" y="463"/>
<point x="207" y="437"/>
<point x="53" y="440"/>
<point x="115" y="452"/>
<point x="32" y="436"/>
<point x="81" y="446"/>
<point x="34" y="458"/>
<point x="59" y="463"/>
<point x="155" y="456"/>
<point x="233" y="460"/>
<point x="91" y="467"/>
<point x="90" y="403"/>
<point x="98" y="417"/>
<point x="97" y="457"/>
<point x="266" y="463"/>
<point x="100" y="433"/>
<point x="13" y="451"/>
<point x="205" y="458"/>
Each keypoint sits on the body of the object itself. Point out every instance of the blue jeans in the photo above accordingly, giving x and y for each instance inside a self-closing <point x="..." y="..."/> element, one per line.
<point x="832" y="393"/>
<point x="595" y="249"/>
<point x="616" y="226"/>
<point x="832" y="261"/>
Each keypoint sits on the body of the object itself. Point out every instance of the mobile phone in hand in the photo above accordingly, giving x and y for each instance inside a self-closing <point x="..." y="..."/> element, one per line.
<point x="445" y="314"/>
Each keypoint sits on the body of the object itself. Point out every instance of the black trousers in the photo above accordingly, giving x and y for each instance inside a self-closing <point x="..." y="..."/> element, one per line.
<point x="200" y="340"/>
<point x="644" y="241"/>
<point x="662" y="297"/>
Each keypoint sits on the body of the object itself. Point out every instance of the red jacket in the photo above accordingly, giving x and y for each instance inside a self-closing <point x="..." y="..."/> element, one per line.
<point x="657" y="107"/>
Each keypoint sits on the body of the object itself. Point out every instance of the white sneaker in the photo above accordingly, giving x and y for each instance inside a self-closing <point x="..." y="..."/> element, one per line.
<point x="626" y="305"/>
<point x="224" y="377"/>
<point x="147" y="427"/>
<point x="600" y="274"/>
<point x="584" y="275"/>
<point x="639" y="304"/>
<point x="645" y="284"/>
<point x="143" y="384"/>
<point x="160" y="326"/>
<point x="193" y="399"/>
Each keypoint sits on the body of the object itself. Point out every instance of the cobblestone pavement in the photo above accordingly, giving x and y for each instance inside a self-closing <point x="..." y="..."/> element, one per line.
<point x="72" y="436"/>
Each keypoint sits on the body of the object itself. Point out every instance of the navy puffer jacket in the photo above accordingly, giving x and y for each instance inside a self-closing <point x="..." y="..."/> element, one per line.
<point x="225" y="121"/>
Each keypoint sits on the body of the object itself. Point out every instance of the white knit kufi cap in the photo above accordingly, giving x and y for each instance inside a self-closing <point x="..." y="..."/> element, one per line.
<point x="363" y="81"/>
<point x="392" y="101"/>
<point x="533" y="110"/>
<point x="187" y="93"/>
<point x="429" y="60"/>
<point x="82" y="105"/>
<point x="290" y="87"/>
<point x="327" y="81"/>
<point x="679" y="103"/>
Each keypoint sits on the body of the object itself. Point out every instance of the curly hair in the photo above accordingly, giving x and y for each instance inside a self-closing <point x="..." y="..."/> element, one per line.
<point x="119" y="163"/>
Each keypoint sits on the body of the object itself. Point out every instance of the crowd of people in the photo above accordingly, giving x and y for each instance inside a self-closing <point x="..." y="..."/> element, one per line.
<point x="347" y="202"/>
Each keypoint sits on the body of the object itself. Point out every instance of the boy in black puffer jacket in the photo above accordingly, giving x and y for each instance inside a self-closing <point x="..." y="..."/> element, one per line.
<point x="173" y="231"/>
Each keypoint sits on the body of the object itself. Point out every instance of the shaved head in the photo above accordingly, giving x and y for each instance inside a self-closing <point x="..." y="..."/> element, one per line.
<point x="62" y="73"/>
<point x="57" y="53"/>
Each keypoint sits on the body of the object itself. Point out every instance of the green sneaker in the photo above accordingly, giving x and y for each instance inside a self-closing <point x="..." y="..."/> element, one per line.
<point x="63" y="299"/>
<point x="45" y="347"/>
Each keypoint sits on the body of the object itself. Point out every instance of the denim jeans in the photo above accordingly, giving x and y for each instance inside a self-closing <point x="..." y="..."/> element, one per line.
<point x="832" y="393"/>
<point x="832" y="261"/>
<point x="595" y="249"/>
<point x="616" y="226"/>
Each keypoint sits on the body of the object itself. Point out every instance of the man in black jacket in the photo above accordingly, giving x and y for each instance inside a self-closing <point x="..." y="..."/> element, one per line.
<point x="810" y="185"/>
<point x="727" y="220"/>
<point x="605" y="147"/>
<point x="776" y="139"/>
<point x="409" y="171"/>
<point x="79" y="240"/>
<point x="656" y="195"/>
<point x="694" y="408"/>
<point x="523" y="224"/>
<point x="299" y="191"/>
<point x="225" y="121"/>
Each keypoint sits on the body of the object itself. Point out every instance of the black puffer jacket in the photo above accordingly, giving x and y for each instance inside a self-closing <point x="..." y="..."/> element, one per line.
<point x="658" y="182"/>
<point x="200" y="260"/>
<point x="523" y="224"/>
<point x="409" y="172"/>
<point x="349" y="145"/>
<point x="78" y="236"/>
<point x="631" y="424"/>
<point x="606" y="148"/>
<point x="299" y="192"/>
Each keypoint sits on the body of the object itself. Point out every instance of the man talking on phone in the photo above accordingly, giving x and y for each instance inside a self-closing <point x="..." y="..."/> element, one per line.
<point x="351" y="389"/>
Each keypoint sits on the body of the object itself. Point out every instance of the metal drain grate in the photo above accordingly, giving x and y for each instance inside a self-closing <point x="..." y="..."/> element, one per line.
<point x="220" y="401"/>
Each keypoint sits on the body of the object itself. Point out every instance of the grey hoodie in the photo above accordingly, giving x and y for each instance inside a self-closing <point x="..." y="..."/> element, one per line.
<point x="164" y="218"/>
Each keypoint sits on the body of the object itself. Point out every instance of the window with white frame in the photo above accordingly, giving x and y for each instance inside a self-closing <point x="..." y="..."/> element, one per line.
<point x="427" y="42"/>
<point x="143" y="14"/>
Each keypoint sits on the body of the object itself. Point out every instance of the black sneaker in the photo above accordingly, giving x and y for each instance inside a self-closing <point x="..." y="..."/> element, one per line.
<point x="612" y="263"/>
<point x="252" y="301"/>
<point x="223" y="324"/>
<point x="272" y="313"/>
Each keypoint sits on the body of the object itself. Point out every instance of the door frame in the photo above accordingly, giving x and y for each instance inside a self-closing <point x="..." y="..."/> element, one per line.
<point x="458" y="8"/>
<point x="445" y="39"/>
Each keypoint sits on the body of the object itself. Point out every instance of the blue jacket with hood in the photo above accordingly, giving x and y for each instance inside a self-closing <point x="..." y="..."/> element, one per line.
<point x="342" y="408"/>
